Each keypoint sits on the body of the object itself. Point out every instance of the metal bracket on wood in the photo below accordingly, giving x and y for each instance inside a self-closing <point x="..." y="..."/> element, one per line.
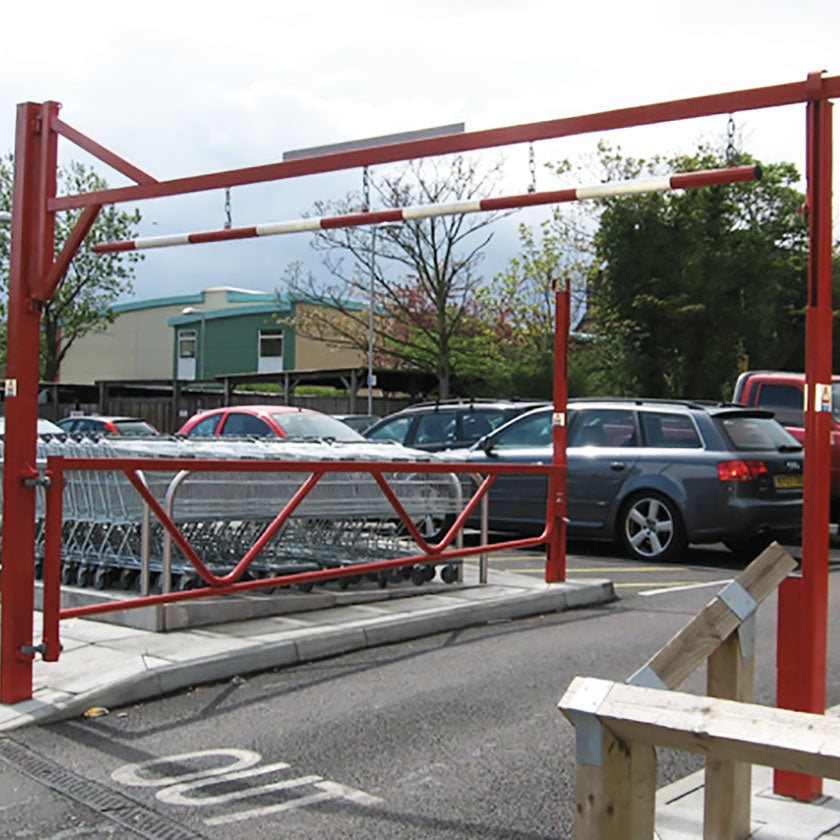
<point x="744" y="606"/>
<point x="31" y="650"/>
<point x="36" y="481"/>
<point x="646" y="677"/>
<point x="588" y="737"/>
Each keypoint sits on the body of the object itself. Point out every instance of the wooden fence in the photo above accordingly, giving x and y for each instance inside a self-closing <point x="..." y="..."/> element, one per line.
<point x="168" y="413"/>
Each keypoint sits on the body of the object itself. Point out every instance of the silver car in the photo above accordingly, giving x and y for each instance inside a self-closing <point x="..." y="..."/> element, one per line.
<point x="654" y="475"/>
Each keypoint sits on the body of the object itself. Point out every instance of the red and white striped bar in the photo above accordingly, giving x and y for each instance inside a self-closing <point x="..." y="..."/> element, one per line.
<point x="684" y="181"/>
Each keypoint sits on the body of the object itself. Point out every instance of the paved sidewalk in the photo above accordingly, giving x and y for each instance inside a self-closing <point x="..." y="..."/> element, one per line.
<point x="679" y="811"/>
<point x="111" y="665"/>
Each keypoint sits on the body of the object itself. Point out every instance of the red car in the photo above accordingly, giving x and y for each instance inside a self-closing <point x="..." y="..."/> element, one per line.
<point x="267" y="421"/>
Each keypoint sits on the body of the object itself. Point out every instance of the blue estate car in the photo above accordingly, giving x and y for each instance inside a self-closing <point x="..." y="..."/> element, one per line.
<point x="653" y="474"/>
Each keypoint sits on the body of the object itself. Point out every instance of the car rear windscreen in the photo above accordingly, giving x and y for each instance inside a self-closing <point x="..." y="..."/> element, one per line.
<point x="747" y="434"/>
<point x="134" y="427"/>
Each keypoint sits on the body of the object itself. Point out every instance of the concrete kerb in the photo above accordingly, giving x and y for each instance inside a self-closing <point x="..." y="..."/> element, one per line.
<point x="319" y="641"/>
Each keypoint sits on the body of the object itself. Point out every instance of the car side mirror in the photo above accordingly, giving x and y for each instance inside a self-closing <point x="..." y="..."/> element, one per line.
<point x="486" y="444"/>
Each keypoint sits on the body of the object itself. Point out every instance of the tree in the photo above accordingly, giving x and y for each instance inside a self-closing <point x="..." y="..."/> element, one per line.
<point x="692" y="283"/>
<point x="423" y="273"/>
<point x="523" y="298"/>
<point x="82" y="303"/>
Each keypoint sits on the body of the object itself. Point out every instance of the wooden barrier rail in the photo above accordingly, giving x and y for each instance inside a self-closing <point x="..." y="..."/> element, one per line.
<point x="620" y="724"/>
<point x="615" y="774"/>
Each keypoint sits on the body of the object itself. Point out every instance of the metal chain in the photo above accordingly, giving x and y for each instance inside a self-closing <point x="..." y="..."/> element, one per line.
<point x="532" y="165"/>
<point x="365" y="190"/>
<point x="228" y="219"/>
<point x="731" y="153"/>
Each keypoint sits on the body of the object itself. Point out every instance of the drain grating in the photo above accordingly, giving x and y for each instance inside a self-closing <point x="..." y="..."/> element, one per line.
<point x="144" y="822"/>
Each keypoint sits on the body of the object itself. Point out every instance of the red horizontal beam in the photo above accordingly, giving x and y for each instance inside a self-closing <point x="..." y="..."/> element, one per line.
<point x="59" y="462"/>
<point x="682" y="109"/>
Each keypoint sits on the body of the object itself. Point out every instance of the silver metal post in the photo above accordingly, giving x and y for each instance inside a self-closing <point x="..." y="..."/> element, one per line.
<point x="203" y="345"/>
<point x="370" y="321"/>
<point x="169" y="506"/>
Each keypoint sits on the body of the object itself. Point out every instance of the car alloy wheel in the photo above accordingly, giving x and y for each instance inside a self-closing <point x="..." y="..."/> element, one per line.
<point x="651" y="528"/>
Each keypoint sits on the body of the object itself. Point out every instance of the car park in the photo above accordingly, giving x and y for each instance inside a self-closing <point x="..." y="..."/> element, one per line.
<point x="283" y="421"/>
<point x="110" y="424"/>
<point x="655" y="475"/>
<point x="447" y="424"/>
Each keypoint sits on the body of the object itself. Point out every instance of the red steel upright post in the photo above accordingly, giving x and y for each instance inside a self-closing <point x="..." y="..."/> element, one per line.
<point x="33" y="233"/>
<point x="555" y="565"/>
<point x="803" y="603"/>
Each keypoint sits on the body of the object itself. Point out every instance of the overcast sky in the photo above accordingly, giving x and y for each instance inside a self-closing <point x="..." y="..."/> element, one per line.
<point x="188" y="88"/>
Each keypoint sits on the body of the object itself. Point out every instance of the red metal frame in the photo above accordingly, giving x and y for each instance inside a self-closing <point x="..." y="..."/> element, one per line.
<point x="555" y="565"/>
<point x="34" y="277"/>
<point x="803" y="607"/>
<point x="218" y="585"/>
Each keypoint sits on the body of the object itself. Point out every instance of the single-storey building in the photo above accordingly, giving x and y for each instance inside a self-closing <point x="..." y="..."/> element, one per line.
<point x="221" y="330"/>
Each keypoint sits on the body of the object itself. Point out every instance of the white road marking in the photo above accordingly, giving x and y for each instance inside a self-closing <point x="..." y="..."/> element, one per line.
<point x="226" y="819"/>
<point x="177" y="794"/>
<point x="241" y="767"/>
<point x="130" y="773"/>
<point x="683" y="588"/>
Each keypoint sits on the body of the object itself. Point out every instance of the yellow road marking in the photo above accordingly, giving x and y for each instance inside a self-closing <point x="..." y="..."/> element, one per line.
<point x="665" y="584"/>
<point x="625" y="569"/>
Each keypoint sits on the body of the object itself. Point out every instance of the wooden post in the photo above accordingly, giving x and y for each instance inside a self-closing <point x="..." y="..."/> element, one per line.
<point x="615" y="779"/>
<point x="728" y="783"/>
<point x="616" y="799"/>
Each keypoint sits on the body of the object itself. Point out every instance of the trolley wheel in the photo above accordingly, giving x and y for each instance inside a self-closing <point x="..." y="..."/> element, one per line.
<point x="155" y="584"/>
<point x="354" y="580"/>
<point x="305" y="587"/>
<point x="418" y="575"/>
<point x="68" y="573"/>
<point x="127" y="579"/>
<point x="84" y="575"/>
<point x="102" y="578"/>
<point x="343" y="582"/>
<point x="39" y="570"/>
<point x="449" y="573"/>
<point x="184" y="582"/>
<point x="382" y="579"/>
<point x="396" y="575"/>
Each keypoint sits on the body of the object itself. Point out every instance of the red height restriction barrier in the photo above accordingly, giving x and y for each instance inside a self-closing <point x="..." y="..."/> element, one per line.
<point x="35" y="275"/>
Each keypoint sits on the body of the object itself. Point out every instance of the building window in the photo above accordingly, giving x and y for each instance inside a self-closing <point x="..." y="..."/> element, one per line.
<point x="270" y="351"/>
<point x="186" y="354"/>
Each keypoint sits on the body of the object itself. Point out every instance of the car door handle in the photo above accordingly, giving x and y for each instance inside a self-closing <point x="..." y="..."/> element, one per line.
<point x="617" y="466"/>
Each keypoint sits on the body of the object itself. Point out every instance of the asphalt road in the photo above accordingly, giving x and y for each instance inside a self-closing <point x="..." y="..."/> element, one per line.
<point x="450" y="736"/>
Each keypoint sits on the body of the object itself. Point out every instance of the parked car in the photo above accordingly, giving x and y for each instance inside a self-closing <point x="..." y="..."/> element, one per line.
<point x="102" y="424"/>
<point x="653" y="474"/>
<point x="267" y="421"/>
<point x="45" y="427"/>
<point x="359" y="422"/>
<point x="783" y="393"/>
<point x="448" y="424"/>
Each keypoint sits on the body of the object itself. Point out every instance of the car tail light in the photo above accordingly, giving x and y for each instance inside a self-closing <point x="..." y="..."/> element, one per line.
<point x="740" y="470"/>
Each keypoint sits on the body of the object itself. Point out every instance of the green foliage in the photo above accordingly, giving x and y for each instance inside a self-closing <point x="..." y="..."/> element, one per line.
<point x="692" y="282"/>
<point x="517" y="358"/>
<point x="82" y="303"/>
